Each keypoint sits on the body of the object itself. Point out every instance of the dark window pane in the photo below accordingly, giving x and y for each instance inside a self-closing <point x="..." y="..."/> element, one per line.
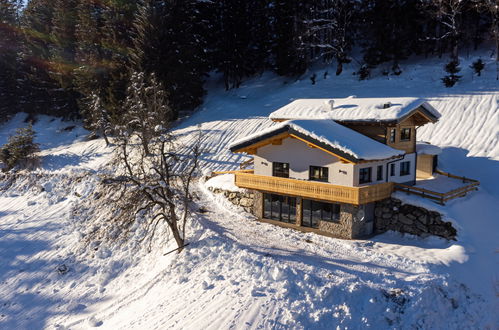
<point x="276" y="207"/>
<point x="280" y="169"/>
<point x="405" y="168"/>
<point x="405" y="134"/>
<point x="379" y="175"/>
<point x="392" y="169"/>
<point x="327" y="211"/>
<point x="318" y="173"/>
<point x="307" y="214"/>
<point x="316" y="214"/>
<point x="267" y="206"/>
<point x="365" y="175"/>
<point x="285" y="209"/>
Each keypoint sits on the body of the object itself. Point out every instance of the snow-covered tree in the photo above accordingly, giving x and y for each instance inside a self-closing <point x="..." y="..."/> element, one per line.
<point x="100" y="118"/>
<point x="147" y="109"/>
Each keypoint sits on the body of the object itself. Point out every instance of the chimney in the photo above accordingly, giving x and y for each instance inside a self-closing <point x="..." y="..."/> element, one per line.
<point x="330" y="104"/>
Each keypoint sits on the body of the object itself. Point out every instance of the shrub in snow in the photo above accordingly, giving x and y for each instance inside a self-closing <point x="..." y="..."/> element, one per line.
<point x="452" y="78"/>
<point x="20" y="150"/>
<point x="478" y="66"/>
<point x="364" y="72"/>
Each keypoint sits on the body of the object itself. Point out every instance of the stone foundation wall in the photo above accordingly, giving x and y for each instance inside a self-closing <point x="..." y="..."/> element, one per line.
<point x="392" y="214"/>
<point x="244" y="199"/>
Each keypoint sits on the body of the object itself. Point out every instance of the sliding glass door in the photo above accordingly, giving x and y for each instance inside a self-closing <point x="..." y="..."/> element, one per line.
<point x="279" y="208"/>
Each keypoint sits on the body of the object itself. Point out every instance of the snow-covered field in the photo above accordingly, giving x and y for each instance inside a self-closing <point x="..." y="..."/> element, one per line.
<point x="239" y="273"/>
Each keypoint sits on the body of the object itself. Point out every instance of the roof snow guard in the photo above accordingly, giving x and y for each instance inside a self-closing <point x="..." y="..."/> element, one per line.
<point x="327" y="135"/>
<point x="352" y="109"/>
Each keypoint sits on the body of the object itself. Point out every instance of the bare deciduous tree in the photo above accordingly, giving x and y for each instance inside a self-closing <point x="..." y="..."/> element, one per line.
<point x="156" y="167"/>
<point x="163" y="176"/>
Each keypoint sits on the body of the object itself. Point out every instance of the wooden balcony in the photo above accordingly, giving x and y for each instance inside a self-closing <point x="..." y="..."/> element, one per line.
<point x="314" y="190"/>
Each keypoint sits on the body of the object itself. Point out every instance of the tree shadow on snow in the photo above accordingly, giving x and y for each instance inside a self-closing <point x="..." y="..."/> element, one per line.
<point x="34" y="290"/>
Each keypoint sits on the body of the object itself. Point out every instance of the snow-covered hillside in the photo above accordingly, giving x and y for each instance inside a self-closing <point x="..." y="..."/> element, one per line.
<point x="239" y="273"/>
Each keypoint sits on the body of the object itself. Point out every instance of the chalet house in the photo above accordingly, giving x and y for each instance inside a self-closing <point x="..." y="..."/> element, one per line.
<point x="326" y="162"/>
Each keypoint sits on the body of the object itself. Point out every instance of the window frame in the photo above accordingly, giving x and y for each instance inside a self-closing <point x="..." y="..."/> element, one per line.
<point x="369" y="176"/>
<point x="403" y="137"/>
<point x="321" y="169"/>
<point x="284" y="170"/>
<point x="379" y="174"/>
<point x="285" y="209"/>
<point x="393" y="135"/>
<point x="405" y="168"/>
<point x="309" y="216"/>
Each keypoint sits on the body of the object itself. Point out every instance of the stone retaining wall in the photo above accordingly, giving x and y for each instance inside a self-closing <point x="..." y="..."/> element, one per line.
<point x="243" y="199"/>
<point x="392" y="214"/>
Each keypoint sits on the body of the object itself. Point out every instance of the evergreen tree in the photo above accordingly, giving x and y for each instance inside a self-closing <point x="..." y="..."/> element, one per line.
<point x="391" y="29"/>
<point x="9" y="57"/>
<point x="118" y="16"/>
<point x="168" y="42"/>
<point x="90" y="72"/>
<point x="98" y="118"/>
<point x="478" y="66"/>
<point x="452" y="68"/>
<point x="62" y="55"/>
<point x="288" y="57"/>
<point x="20" y="150"/>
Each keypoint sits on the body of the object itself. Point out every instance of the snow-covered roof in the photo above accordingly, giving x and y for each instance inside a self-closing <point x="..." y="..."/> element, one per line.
<point x="328" y="135"/>
<point x="355" y="109"/>
<point x="424" y="148"/>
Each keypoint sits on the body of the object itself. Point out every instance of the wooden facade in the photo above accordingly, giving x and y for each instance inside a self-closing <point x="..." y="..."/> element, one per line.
<point x="425" y="164"/>
<point x="315" y="190"/>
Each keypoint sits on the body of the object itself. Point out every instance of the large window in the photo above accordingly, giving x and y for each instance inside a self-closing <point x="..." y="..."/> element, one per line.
<point x="280" y="208"/>
<point x="318" y="173"/>
<point x="379" y="175"/>
<point x="405" y="134"/>
<point x="405" y="168"/>
<point x="365" y="175"/>
<point x="393" y="133"/>
<point x="314" y="211"/>
<point x="280" y="169"/>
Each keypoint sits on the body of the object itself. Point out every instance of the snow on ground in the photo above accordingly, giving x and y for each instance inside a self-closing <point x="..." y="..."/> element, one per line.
<point x="440" y="183"/>
<point x="224" y="182"/>
<point x="240" y="273"/>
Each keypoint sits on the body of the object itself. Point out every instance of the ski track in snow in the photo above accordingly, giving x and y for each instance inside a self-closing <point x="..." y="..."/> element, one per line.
<point x="242" y="274"/>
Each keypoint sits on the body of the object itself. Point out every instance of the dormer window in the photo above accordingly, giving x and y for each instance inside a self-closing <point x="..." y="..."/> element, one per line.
<point x="405" y="134"/>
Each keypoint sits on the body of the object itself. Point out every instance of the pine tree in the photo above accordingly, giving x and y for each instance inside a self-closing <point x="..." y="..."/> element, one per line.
<point x="452" y="78"/>
<point x="62" y="55"/>
<point x="168" y="42"/>
<point x="90" y="71"/>
<point x="99" y="120"/>
<point x="391" y="28"/>
<point x="478" y="66"/>
<point x="288" y="57"/>
<point x="9" y="57"/>
<point x="117" y="31"/>
<point x="20" y="150"/>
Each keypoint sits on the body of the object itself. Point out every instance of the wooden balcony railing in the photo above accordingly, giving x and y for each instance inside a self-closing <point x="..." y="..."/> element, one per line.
<point x="315" y="190"/>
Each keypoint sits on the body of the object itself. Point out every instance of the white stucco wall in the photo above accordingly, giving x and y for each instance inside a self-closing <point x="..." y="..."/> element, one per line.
<point x="300" y="157"/>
